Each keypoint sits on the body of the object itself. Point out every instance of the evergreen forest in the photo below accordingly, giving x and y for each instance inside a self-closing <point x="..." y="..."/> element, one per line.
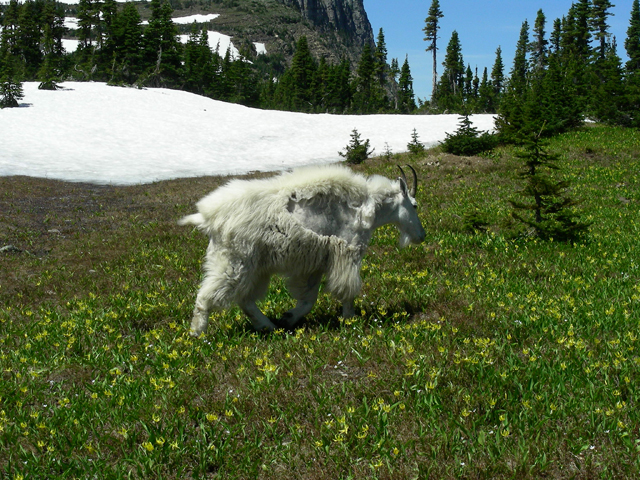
<point x="557" y="79"/>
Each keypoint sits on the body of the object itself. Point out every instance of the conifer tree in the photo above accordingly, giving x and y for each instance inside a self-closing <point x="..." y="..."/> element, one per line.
<point x="224" y="87"/>
<point x="632" y="78"/>
<point x="344" y="92"/>
<point x="538" y="47"/>
<point x="51" y="45"/>
<point x="321" y="82"/>
<point x="553" y="102"/>
<point x="598" y="19"/>
<point x="162" y="50"/>
<point x="367" y="94"/>
<point x="301" y="87"/>
<point x="556" y="36"/>
<point x="394" y="72"/>
<point x="356" y="151"/>
<point x="86" y="20"/>
<point x="576" y="49"/>
<point x="47" y="74"/>
<point x="579" y="30"/>
<point x="302" y="74"/>
<point x="406" y="97"/>
<point x="10" y="85"/>
<point x="380" y="55"/>
<point x="485" y="94"/>
<point x="468" y="85"/>
<point x="394" y="69"/>
<point x="10" y="26"/>
<point x="549" y="211"/>
<point x="28" y="37"/>
<point x="241" y="81"/>
<point x="450" y="89"/>
<point x="632" y="42"/>
<point x="107" y="22"/>
<point x="338" y="94"/>
<point x="497" y="79"/>
<point x="519" y="71"/>
<point x="432" y="25"/>
<point x="475" y="85"/>
<point x="128" y="44"/>
<point x="511" y="113"/>
<point x="454" y="64"/>
<point x="415" y="146"/>
<point x="608" y="99"/>
<point x="198" y="62"/>
<point x="467" y="139"/>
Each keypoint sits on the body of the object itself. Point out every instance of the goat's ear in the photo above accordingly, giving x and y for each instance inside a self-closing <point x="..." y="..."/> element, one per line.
<point x="366" y="214"/>
<point x="403" y="186"/>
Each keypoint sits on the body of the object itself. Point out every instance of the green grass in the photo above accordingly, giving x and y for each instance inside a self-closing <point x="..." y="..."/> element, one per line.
<point x="476" y="355"/>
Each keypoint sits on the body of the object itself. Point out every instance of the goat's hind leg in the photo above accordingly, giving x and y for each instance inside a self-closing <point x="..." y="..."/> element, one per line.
<point x="201" y="311"/>
<point x="305" y="291"/>
<point x="258" y="319"/>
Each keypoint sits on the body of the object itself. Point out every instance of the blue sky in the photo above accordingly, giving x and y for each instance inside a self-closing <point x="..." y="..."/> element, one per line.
<point x="482" y="27"/>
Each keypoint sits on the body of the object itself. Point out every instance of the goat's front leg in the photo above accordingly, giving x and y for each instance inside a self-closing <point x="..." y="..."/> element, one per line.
<point x="258" y="319"/>
<point x="199" y="321"/>
<point x="348" y="309"/>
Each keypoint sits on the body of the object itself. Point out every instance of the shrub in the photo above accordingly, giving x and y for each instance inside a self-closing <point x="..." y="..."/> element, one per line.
<point x="467" y="140"/>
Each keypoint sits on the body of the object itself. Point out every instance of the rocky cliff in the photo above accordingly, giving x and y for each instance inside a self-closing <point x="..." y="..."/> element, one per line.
<point x="334" y="28"/>
<point x="346" y="17"/>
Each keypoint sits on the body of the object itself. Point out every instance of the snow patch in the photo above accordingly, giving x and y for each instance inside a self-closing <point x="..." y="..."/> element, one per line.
<point x="196" y="18"/>
<point x="97" y="133"/>
<point x="218" y="41"/>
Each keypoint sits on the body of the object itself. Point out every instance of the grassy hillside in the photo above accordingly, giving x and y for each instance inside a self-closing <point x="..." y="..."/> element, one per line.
<point x="476" y="355"/>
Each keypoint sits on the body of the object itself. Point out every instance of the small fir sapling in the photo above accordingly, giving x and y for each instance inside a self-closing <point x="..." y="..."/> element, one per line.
<point x="47" y="75"/>
<point x="10" y="93"/>
<point x="475" y="220"/>
<point x="549" y="212"/>
<point x="415" y="146"/>
<point x="387" y="154"/>
<point x="10" y="86"/>
<point x="357" y="151"/>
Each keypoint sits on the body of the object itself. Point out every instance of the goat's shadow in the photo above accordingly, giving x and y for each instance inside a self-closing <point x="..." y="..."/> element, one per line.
<point x="331" y="320"/>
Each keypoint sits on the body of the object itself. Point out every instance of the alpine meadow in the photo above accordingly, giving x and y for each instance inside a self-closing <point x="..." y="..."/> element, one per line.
<point x="478" y="354"/>
<point x="504" y="346"/>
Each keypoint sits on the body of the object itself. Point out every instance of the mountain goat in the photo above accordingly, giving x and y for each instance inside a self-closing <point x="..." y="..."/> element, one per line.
<point x="305" y="224"/>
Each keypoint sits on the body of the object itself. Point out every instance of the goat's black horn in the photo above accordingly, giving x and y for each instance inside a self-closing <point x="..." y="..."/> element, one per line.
<point x="414" y="188"/>
<point x="404" y="177"/>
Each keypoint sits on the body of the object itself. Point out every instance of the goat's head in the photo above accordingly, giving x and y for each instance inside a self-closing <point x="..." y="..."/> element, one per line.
<point x="407" y="220"/>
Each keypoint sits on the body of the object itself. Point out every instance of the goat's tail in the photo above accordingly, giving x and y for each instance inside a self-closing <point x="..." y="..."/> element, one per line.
<point x="196" y="219"/>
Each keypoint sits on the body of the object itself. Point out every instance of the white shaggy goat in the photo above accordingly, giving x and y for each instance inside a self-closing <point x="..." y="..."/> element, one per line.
<point x="311" y="222"/>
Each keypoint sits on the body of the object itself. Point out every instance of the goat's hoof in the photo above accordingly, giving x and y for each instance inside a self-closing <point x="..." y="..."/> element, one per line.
<point x="265" y="331"/>
<point x="286" y="321"/>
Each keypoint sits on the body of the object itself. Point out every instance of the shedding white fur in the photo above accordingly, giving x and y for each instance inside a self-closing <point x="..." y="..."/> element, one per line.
<point x="305" y="224"/>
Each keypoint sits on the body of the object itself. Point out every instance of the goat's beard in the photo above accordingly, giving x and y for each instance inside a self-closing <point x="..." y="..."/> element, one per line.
<point x="404" y="240"/>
